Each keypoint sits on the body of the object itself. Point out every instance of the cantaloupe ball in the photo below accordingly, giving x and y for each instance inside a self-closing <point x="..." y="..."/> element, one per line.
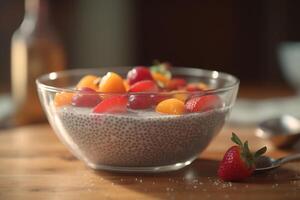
<point x="112" y="82"/>
<point x="89" y="81"/>
<point x="63" y="99"/>
<point x="170" y="106"/>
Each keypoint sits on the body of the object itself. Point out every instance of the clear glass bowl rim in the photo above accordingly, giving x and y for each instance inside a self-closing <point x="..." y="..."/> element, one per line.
<point x="192" y="71"/>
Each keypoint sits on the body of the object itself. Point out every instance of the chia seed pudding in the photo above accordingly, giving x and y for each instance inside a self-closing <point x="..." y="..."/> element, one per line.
<point x="137" y="138"/>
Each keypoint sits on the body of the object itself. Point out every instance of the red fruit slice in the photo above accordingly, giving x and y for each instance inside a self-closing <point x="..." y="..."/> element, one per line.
<point x="233" y="167"/>
<point x="138" y="74"/>
<point x="115" y="104"/>
<point x="140" y="101"/>
<point x="238" y="162"/>
<point x="86" y="97"/>
<point x="192" y="88"/>
<point x="157" y="98"/>
<point x="203" y="103"/>
<point x="176" y="83"/>
<point x="144" y="86"/>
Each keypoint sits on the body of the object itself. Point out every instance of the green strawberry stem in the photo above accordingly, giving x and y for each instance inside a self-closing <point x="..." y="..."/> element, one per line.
<point x="260" y="152"/>
<point x="236" y="139"/>
<point x="161" y="68"/>
<point x="246" y="154"/>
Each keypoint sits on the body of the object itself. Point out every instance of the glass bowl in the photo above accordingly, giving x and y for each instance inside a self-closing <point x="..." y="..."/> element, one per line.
<point x="138" y="140"/>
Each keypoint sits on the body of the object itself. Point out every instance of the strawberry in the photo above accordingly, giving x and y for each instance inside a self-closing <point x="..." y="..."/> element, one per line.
<point x="176" y="83"/>
<point x="86" y="97"/>
<point x="144" y="86"/>
<point x="140" y="101"/>
<point x="138" y="74"/>
<point x="203" y="103"/>
<point x="114" y="104"/>
<point x="238" y="162"/>
<point x="192" y="88"/>
<point x="157" y="98"/>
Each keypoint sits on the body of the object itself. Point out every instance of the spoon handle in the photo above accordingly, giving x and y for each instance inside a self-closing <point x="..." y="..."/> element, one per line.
<point x="289" y="158"/>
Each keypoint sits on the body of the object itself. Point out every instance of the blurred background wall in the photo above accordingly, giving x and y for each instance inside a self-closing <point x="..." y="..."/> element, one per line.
<point x="239" y="37"/>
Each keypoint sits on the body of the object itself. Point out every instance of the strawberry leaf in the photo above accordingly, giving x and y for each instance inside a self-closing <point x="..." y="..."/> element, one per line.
<point x="236" y="139"/>
<point x="246" y="148"/>
<point x="260" y="152"/>
<point x="161" y="68"/>
<point x="247" y="155"/>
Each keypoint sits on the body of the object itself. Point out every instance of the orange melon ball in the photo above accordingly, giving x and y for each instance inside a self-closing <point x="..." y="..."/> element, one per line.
<point x="89" y="81"/>
<point x="63" y="99"/>
<point x="126" y="84"/>
<point x="181" y="95"/>
<point x="160" y="78"/>
<point x="170" y="106"/>
<point x="112" y="82"/>
<point x="203" y="86"/>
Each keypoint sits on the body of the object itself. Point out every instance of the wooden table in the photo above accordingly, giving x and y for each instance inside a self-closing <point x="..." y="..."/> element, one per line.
<point x="35" y="165"/>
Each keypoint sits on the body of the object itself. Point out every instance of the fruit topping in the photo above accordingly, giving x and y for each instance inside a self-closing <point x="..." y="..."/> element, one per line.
<point x="238" y="162"/>
<point x="138" y="74"/>
<point x="157" y="98"/>
<point x="114" y="104"/>
<point x="202" y="86"/>
<point x="161" y="74"/>
<point x="170" y="106"/>
<point x="142" y="101"/>
<point x="160" y="79"/>
<point x="86" y="97"/>
<point x="176" y="83"/>
<point x="126" y="84"/>
<point x="112" y="82"/>
<point x="89" y="81"/>
<point x="155" y="86"/>
<point x="161" y="68"/>
<point x="144" y="86"/>
<point x="194" y="87"/>
<point x="181" y="95"/>
<point x="203" y="103"/>
<point x="63" y="99"/>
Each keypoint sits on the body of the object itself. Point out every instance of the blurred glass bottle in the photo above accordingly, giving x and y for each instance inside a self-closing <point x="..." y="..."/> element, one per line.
<point x="35" y="50"/>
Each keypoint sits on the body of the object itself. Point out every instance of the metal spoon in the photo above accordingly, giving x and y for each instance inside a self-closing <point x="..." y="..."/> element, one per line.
<point x="264" y="163"/>
<point x="283" y="131"/>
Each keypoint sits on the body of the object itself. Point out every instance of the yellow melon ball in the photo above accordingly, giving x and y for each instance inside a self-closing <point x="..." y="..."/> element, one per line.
<point x="88" y="81"/>
<point x="112" y="82"/>
<point x="170" y="106"/>
<point x="63" y="98"/>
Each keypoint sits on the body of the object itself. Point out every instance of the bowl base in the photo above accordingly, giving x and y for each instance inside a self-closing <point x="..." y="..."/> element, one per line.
<point x="155" y="169"/>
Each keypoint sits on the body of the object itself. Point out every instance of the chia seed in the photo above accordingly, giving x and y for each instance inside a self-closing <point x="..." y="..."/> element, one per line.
<point x="142" y="139"/>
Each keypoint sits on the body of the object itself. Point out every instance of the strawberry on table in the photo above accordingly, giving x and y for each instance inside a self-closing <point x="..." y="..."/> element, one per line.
<point x="238" y="162"/>
<point x="203" y="103"/>
<point x="114" y="104"/>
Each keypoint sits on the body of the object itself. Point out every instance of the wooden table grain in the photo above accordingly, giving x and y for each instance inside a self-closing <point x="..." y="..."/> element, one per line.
<point x="35" y="165"/>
